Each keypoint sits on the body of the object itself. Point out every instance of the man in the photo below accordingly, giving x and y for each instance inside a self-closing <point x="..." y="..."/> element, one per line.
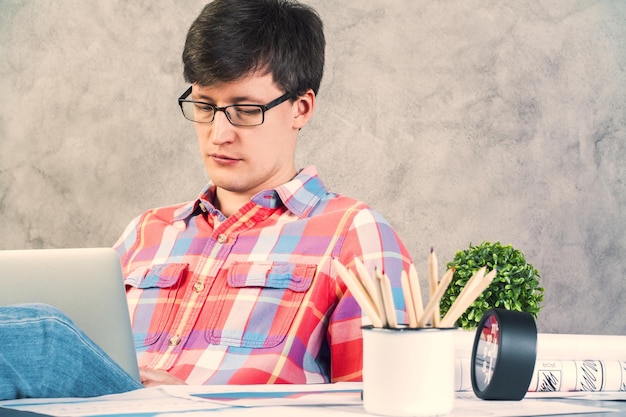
<point x="238" y="286"/>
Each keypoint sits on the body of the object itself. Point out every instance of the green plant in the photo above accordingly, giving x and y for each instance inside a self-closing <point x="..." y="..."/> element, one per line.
<point x="515" y="286"/>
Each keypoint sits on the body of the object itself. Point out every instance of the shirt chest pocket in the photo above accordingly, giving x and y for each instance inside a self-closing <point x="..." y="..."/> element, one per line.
<point x="151" y="292"/>
<point x="259" y="303"/>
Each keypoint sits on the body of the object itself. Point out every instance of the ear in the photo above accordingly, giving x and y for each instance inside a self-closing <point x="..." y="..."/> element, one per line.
<point x="303" y="109"/>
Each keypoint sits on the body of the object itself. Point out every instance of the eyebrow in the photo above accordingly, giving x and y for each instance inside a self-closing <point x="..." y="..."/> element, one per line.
<point x="235" y="100"/>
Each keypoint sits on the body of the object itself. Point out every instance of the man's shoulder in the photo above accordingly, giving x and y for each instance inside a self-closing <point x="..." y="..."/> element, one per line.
<point x="341" y="200"/>
<point x="170" y="213"/>
<point x="340" y="203"/>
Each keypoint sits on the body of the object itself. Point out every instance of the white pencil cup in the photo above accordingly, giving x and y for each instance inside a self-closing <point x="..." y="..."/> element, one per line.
<point x="408" y="372"/>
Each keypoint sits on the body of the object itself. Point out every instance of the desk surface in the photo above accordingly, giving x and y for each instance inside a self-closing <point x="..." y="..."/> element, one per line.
<point x="619" y="407"/>
<point x="343" y="399"/>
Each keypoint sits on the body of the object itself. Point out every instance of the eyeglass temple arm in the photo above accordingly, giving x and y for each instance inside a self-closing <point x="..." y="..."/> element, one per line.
<point x="185" y="94"/>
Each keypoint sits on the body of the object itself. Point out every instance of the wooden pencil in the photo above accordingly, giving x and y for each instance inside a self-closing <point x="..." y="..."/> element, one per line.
<point x="416" y="292"/>
<point x="433" y="280"/>
<point x="469" y="286"/>
<point x="387" y="296"/>
<point x="408" y="299"/>
<point x="435" y="299"/>
<point x="359" y="293"/>
<point x="369" y="284"/>
<point x="462" y="303"/>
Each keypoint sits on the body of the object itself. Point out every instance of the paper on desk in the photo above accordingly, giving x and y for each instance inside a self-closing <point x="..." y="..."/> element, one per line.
<point x="339" y="400"/>
<point x="338" y="397"/>
<point x="147" y="402"/>
<point x="468" y="405"/>
<point x="340" y="393"/>
<point x="580" y="395"/>
<point x="165" y="400"/>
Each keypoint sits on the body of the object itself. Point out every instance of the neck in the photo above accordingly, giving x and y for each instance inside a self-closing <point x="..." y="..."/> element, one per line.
<point x="228" y="202"/>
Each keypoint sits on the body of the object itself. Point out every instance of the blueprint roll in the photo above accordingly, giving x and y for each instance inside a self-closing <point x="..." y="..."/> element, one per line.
<point x="578" y="375"/>
<point x="560" y="346"/>
<point x="581" y="347"/>
<point x="565" y="362"/>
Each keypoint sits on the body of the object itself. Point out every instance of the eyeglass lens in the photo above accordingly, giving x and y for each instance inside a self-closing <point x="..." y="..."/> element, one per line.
<point x="240" y="115"/>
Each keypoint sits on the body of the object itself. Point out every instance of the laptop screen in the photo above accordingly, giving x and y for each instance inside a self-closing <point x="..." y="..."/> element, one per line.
<point x="86" y="284"/>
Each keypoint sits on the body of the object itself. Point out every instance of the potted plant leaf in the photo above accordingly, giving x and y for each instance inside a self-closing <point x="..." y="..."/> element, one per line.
<point x="515" y="286"/>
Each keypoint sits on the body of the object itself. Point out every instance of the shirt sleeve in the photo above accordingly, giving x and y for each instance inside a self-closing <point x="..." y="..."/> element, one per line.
<point x="372" y="239"/>
<point x="127" y="240"/>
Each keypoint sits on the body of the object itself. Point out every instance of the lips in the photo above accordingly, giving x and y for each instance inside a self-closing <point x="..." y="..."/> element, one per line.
<point x="224" y="159"/>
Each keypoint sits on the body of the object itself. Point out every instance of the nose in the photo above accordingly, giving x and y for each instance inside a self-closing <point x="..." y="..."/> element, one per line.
<point x="220" y="130"/>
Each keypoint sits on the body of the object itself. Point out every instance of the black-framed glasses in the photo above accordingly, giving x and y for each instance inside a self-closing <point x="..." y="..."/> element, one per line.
<point x="237" y="114"/>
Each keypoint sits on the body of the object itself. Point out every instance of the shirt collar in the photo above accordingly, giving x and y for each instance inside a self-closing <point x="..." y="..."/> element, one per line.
<point x="300" y="196"/>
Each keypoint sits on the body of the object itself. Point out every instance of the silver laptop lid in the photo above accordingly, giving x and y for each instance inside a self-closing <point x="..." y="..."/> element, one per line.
<point x="86" y="284"/>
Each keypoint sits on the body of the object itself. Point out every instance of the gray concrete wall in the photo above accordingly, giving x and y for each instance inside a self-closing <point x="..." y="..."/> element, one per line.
<point x="460" y="120"/>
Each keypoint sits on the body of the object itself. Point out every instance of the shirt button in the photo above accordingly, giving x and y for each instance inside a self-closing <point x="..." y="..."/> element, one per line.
<point x="222" y="238"/>
<point x="174" y="340"/>
<point x="198" y="286"/>
<point x="202" y="207"/>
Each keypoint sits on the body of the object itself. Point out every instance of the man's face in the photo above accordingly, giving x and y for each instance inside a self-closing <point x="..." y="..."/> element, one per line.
<point x="245" y="160"/>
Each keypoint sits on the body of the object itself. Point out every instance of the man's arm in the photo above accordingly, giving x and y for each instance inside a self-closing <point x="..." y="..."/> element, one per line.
<point x="372" y="239"/>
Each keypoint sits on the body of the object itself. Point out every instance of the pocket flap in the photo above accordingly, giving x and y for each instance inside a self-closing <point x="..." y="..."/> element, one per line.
<point x="156" y="276"/>
<point x="281" y="275"/>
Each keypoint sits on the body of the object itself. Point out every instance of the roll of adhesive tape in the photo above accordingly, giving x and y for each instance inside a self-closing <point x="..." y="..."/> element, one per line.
<point x="503" y="355"/>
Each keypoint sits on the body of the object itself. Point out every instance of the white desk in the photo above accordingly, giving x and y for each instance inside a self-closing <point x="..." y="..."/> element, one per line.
<point x="291" y="400"/>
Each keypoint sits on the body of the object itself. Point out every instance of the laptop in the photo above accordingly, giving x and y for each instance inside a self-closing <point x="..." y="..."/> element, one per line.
<point x="86" y="284"/>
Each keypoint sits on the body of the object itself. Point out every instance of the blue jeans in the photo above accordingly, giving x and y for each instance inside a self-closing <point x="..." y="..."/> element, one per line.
<point x="44" y="355"/>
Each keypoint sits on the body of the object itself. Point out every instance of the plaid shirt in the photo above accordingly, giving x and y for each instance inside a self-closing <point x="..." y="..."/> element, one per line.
<point x="254" y="298"/>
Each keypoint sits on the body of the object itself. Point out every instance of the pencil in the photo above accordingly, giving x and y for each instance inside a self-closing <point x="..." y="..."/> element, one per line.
<point x="387" y="297"/>
<point x="416" y="292"/>
<point x="469" y="286"/>
<point x="462" y="303"/>
<point x="359" y="293"/>
<point x="433" y="302"/>
<point x="432" y="281"/>
<point x="408" y="299"/>
<point x="369" y="284"/>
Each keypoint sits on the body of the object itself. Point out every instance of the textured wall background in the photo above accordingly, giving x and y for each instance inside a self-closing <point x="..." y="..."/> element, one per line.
<point x="460" y="120"/>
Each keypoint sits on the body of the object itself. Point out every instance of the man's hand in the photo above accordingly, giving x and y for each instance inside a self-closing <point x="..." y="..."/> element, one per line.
<point x="156" y="377"/>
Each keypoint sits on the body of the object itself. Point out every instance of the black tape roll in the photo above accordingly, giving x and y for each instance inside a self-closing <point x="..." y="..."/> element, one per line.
<point x="504" y="355"/>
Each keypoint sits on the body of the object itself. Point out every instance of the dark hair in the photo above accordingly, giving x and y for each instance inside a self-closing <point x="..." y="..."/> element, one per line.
<point x="234" y="38"/>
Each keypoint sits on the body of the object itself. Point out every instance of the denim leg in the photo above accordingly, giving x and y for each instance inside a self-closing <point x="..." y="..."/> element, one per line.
<point x="44" y="355"/>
